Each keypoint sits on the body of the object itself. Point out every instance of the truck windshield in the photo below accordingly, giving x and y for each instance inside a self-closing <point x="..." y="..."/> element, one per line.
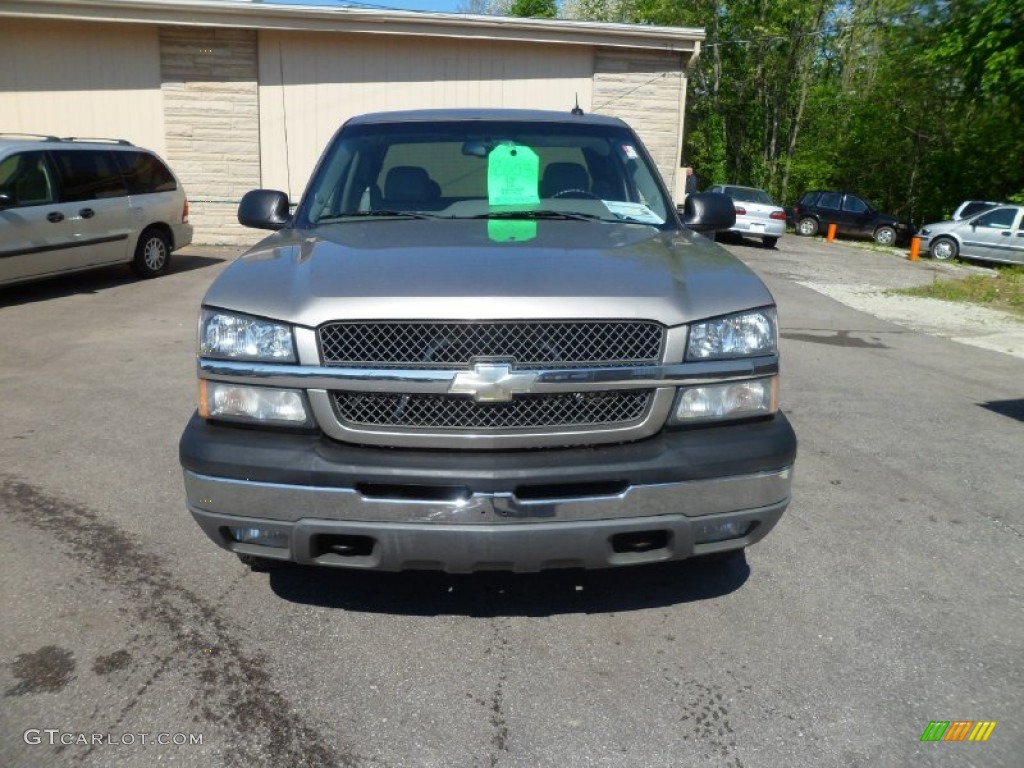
<point x="483" y="169"/>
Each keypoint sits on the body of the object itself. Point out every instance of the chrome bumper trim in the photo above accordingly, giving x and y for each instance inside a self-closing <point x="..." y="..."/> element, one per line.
<point x="419" y="381"/>
<point x="291" y="503"/>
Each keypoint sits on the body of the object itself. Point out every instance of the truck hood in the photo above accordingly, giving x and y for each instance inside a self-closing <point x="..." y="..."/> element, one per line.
<point x="409" y="269"/>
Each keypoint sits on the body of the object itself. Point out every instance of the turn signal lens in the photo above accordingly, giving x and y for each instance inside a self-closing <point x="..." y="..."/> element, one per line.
<point x="732" y="400"/>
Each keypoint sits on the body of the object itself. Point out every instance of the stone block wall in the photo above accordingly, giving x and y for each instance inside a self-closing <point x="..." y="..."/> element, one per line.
<point x="211" y="113"/>
<point x="647" y="91"/>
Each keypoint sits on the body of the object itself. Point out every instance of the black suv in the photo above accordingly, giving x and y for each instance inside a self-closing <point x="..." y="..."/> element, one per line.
<point x="852" y="215"/>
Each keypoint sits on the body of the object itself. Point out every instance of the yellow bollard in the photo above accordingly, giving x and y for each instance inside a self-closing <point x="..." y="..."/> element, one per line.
<point x="831" y="233"/>
<point x="915" y="248"/>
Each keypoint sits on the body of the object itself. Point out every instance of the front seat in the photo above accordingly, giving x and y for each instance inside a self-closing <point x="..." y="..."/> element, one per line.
<point x="32" y="187"/>
<point x="408" y="186"/>
<point x="564" y="177"/>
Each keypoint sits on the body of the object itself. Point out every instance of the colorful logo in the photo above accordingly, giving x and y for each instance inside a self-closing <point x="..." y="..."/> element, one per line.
<point x="958" y="730"/>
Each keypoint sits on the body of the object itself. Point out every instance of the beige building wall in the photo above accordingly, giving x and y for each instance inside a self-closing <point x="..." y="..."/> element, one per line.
<point x="647" y="91"/>
<point x="232" y="109"/>
<point x="211" y="109"/>
<point x="328" y="78"/>
<point x="81" y="79"/>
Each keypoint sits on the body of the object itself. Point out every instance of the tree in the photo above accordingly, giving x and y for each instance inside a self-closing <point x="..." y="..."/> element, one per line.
<point x="915" y="104"/>
<point x="984" y="39"/>
<point x="486" y="7"/>
<point x="534" y="9"/>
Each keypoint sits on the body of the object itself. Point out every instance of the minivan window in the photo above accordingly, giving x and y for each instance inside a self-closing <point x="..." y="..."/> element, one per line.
<point x="144" y="174"/>
<point x="973" y="208"/>
<point x="27" y="180"/>
<point x="1001" y="218"/>
<point x="87" y="174"/>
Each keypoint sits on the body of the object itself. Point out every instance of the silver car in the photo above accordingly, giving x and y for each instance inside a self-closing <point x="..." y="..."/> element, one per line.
<point x="994" y="235"/>
<point x="757" y="215"/>
<point x="67" y="205"/>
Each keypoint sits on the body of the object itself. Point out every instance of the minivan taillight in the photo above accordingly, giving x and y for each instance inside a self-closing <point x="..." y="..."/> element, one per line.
<point x="184" y="213"/>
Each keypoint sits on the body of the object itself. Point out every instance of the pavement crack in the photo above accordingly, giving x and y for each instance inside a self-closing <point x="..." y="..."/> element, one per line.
<point x="233" y="687"/>
<point x="498" y="716"/>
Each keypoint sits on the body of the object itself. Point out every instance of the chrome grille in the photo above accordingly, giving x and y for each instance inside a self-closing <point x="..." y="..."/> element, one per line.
<point x="446" y="412"/>
<point x="530" y="345"/>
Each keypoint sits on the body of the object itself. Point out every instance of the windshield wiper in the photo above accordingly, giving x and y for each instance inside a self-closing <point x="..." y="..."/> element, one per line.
<point x="572" y="216"/>
<point x="361" y="214"/>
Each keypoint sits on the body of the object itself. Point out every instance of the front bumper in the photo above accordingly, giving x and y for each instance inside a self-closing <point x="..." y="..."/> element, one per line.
<point x="181" y="234"/>
<point x="665" y="498"/>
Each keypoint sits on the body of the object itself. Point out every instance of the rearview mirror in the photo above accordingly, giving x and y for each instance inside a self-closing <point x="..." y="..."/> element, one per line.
<point x="264" y="209"/>
<point x="708" y="211"/>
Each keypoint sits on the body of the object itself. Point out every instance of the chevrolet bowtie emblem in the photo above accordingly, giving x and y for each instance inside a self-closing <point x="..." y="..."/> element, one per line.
<point x="492" y="382"/>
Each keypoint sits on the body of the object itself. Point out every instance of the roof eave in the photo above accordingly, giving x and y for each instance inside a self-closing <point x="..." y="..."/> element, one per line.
<point x="355" y="20"/>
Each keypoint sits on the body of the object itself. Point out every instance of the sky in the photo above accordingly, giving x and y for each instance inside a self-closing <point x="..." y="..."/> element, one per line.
<point x="438" y="6"/>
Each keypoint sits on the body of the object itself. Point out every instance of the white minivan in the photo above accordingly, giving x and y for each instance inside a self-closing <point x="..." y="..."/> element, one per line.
<point x="73" y="204"/>
<point x="995" y="234"/>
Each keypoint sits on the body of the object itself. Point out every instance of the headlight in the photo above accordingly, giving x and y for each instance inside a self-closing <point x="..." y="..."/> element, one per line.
<point x="239" y="337"/>
<point x="254" y="405"/>
<point x="732" y="400"/>
<point x="747" y="334"/>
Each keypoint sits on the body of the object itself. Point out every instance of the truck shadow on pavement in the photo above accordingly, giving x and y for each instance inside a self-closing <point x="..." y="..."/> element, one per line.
<point x="1013" y="409"/>
<point x="494" y="594"/>
<point x="93" y="281"/>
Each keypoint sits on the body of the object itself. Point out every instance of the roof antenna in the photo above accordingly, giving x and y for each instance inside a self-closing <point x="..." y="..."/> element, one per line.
<point x="576" y="110"/>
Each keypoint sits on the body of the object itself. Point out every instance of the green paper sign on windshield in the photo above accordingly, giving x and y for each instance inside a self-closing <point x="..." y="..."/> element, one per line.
<point x="513" y="175"/>
<point x="511" y="230"/>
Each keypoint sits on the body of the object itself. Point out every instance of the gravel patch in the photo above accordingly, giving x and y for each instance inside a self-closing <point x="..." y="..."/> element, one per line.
<point x="965" y="323"/>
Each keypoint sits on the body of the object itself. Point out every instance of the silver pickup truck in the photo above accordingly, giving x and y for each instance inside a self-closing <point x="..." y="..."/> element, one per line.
<point x="486" y="340"/>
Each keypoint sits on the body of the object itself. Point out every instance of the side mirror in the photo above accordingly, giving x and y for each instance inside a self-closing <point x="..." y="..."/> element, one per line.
<point x="708" y="211"/>
<point x="264" y="209"/>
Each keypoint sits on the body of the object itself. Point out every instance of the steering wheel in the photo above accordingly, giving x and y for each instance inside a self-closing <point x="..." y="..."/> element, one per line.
<point x="578" y="192"/>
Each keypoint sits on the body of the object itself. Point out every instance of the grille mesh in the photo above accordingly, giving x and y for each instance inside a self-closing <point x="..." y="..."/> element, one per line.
<point x="523" y="412"/>
<point x="455" y="345"/>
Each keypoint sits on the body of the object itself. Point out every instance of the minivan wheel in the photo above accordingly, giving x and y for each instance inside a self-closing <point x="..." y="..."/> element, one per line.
<point x="152" y="254"/>
<point x="807" y="227"/>
<point x="885" y="235"/>
<point x="944" y="249"/>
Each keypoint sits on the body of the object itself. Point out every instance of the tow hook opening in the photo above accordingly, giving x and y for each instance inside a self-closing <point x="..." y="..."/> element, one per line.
<point x="343" y="545"/>
<point x="639" y="541"/>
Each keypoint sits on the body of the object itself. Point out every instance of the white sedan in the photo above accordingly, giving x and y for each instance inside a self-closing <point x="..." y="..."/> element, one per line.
<point x="757" y="215"/>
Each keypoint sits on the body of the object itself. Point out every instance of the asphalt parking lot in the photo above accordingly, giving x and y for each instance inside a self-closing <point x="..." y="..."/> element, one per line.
<point x="889" y="596"/>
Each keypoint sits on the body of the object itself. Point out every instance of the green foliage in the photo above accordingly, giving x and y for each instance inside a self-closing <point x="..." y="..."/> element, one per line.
<point x="914" y="104"/>
<point x="984" y="41"/>
<point x="534" y="9"/>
